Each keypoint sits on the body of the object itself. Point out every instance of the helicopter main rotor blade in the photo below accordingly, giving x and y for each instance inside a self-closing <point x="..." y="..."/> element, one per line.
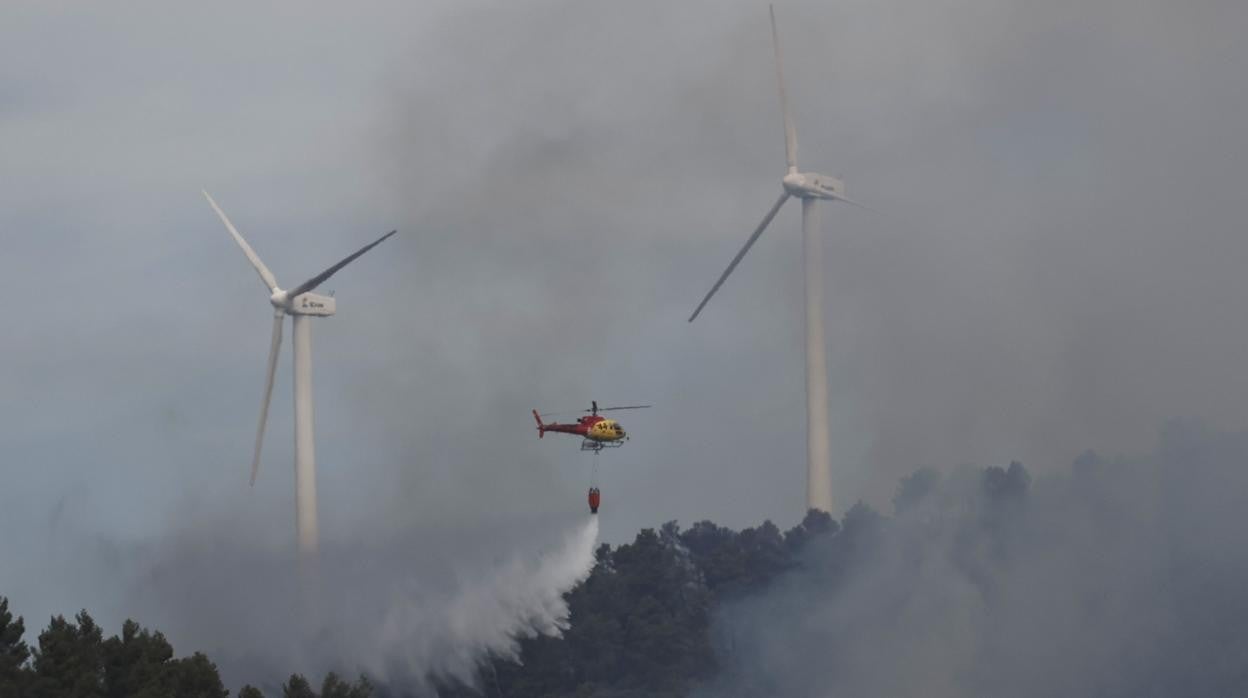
<point x="589" y="411"/>
<point x="563" y="413"/>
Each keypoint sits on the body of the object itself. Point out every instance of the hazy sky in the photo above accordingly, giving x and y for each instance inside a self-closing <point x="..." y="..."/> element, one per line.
<point x="1059" y="265"/>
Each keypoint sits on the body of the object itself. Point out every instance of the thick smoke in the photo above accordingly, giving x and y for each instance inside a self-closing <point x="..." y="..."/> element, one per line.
<point x="1121" y="578"/>
<point x="401" y="609"/>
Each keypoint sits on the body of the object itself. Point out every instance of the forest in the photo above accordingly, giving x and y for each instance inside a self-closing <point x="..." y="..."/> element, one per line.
<point x="1108" y="578"/>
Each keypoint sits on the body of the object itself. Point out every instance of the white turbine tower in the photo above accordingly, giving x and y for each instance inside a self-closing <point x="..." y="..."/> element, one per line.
<point x="301" y="305"/>
<point x="810" y="188"/>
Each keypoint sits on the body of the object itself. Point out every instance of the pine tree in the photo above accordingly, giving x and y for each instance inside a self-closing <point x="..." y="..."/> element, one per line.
<point x="334" y="687"/>
<point x="13" y="651"/>
<point x="134" y="663"/>
<point x="70" y="659"/>
<point x="195" y="677"/>
<point x="297" y="687"/>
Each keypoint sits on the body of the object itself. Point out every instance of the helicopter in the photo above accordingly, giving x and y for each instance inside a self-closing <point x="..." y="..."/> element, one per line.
<point x="596" y="432"/>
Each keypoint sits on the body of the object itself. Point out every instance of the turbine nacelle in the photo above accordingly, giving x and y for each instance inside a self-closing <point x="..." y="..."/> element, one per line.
<point x="312" y="304"/>
<point x="808" y="185"/>
<point x="303" y="304"/>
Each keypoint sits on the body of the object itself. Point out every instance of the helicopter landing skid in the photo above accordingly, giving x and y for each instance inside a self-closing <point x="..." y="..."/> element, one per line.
<point x="596" y="446"/>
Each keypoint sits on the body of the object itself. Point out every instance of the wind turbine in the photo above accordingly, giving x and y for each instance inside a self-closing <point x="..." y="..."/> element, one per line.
<point x="810" y="188"/>
<point x="301" y="304"/>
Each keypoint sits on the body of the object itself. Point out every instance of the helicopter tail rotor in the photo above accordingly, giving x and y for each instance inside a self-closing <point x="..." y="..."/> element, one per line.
<point x="541" y="428"/>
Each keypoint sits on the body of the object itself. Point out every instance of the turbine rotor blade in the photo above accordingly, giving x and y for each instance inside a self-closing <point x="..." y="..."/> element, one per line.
<point x="851" y="202"/>
<point x="279" y="318"/>
<point x="265" y="275"/>
<point x="323" y="276"/>
<point x="736" y="260"/>
<point x="790" y="133"/>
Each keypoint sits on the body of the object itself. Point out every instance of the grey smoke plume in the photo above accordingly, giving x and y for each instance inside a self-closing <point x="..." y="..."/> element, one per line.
<point x="400" y="608"/>
<point x="1121" y="578"/>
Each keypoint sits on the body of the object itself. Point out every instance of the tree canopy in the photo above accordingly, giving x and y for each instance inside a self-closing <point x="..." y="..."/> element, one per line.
<point x="74" y="660"/>
<point x="1114" y="579"/>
